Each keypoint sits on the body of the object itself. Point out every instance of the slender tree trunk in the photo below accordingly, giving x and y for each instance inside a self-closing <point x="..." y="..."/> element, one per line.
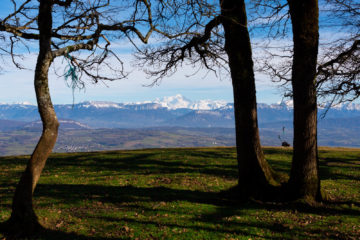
<point x="23" y="220"/>
<point x="255" y="173"/>
<point x="304" y="179"/>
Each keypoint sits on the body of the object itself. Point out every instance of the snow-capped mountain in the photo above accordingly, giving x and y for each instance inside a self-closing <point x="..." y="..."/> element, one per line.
<point x="169" y="103"/>
<point x="168" y="111"/>
<point x="174" y="102"/>
<point x="101" y="104"/>
<point x="99" y="125"/>
<point x="178" y="101"/>
<point x="283" y="105"/>
<point x="347" y="106"/>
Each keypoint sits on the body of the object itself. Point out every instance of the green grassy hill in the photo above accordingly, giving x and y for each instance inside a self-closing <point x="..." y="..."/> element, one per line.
<point x="174" y="194"/>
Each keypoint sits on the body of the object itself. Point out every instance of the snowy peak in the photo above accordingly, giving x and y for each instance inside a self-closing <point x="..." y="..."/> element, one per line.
<point x="24" y="103"/>
<point x="178" y="101"/>
<point x="100" y="104"/>
<point x="174" y="102"/>
<point x="347" y="106"/>
<point x="171" y="103"/>
<point x="287" y="105"/>
<point x="210" y="105"/>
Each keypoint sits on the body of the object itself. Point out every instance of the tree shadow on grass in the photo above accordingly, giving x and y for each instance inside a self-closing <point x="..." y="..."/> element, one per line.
<point x="73" y="194"/>
<point x="276" y="228"/>
<point x="224" y="208"/>
<point x="141" y="161"/>
<point x="120" y="194"/>
<point x="226" y="228"/>
<point x="47" y="234"/>
<point x="335" y="168"/>
<point x="59" y="235"/>
<point x="154" y="163"/>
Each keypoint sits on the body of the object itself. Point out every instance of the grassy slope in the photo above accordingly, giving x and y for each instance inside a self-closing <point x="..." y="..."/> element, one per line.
<point x="173" y="194"/>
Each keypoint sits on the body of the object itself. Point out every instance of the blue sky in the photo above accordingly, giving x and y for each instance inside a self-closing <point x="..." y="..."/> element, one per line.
<point x="17" y="85"/>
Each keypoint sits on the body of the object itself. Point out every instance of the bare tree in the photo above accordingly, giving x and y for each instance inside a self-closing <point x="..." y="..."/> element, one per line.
<point x="338" y="68"/>
<point x="255" y="174"/>
<point x="334" y="76"/>
<point x="62" y="29"/>
<point x="220" y="40"/>
<point x="338" y="61"/>
<point x="304" y="178"/>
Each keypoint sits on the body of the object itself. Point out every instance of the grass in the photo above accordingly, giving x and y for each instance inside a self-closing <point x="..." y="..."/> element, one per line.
<point x="174" y="194"/>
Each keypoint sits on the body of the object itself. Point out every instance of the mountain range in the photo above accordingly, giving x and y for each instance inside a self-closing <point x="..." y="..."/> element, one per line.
<point x="167" y="122"/>
<point x="172" y="111"/>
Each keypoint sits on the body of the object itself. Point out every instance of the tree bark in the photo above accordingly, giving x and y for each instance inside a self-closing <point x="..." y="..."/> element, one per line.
<point x="304" y="177"/>
<point x="23" y="220"/>
<point x="255" y="174"/>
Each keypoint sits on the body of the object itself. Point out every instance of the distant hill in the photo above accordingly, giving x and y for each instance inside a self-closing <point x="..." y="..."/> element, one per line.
<point x="169" y="111"/>
<point x="169" y="122"/>
<point x="64" y="125"/>
<point x="84" y="140"/>
<point x="9" y="125"/>
<point x="205" y="118"/>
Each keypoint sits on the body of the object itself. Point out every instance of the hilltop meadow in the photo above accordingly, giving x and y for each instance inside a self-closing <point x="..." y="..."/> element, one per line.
<point x="181" y="194"/>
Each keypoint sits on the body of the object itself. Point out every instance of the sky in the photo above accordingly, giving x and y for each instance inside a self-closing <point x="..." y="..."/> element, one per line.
<point x="17" y="85"/>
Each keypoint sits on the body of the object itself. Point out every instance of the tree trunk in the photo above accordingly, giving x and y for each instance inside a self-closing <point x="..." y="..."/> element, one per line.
<point x="255" y="174"/>
<point x="304" y="179"/>
<point x="23" y="220"/>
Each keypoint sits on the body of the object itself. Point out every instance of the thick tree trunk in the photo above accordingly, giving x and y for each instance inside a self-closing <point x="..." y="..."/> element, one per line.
<point x="23" y="220"/>
<point x="255" y="173"/>
<point x="304" y="179"/>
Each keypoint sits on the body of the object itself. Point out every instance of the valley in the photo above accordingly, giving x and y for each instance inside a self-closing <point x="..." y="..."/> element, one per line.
<point x="163" y="123"/>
